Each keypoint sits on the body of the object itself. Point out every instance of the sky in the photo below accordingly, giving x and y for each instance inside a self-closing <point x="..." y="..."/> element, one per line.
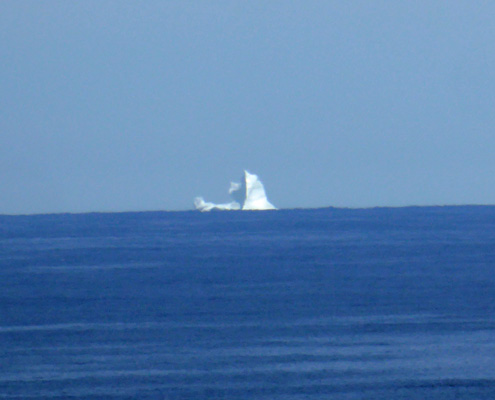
<point x="143" y="105"/>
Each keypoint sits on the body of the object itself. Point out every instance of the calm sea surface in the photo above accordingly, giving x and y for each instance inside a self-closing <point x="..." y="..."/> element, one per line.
<point x="297" y="304"/>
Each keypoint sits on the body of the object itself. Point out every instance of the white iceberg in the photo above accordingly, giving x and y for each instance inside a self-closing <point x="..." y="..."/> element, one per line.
<point x="247" y="195"/>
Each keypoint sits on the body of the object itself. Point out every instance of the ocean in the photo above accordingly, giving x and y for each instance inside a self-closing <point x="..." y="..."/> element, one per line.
<point x="383" y="303"/>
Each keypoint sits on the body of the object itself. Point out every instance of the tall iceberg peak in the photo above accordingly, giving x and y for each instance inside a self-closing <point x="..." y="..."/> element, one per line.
<point x="255" y="196"/>
<point x="247" y="195"/>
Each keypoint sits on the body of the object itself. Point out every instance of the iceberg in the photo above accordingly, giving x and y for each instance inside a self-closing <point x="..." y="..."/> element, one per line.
<point x="247" y="195"/>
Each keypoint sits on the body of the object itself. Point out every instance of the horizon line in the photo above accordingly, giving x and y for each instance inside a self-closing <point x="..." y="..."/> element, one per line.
<point x="244" y="211"/>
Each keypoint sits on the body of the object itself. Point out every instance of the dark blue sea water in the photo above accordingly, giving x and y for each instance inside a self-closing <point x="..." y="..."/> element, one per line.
<point x="297" y="304"/>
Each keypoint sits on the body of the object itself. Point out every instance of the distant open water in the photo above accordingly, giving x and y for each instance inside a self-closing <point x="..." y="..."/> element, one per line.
<point x="296" y="304"/>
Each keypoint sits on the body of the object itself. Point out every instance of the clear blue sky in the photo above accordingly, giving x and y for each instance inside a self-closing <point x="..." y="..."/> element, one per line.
<point x="143" y="105"/>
